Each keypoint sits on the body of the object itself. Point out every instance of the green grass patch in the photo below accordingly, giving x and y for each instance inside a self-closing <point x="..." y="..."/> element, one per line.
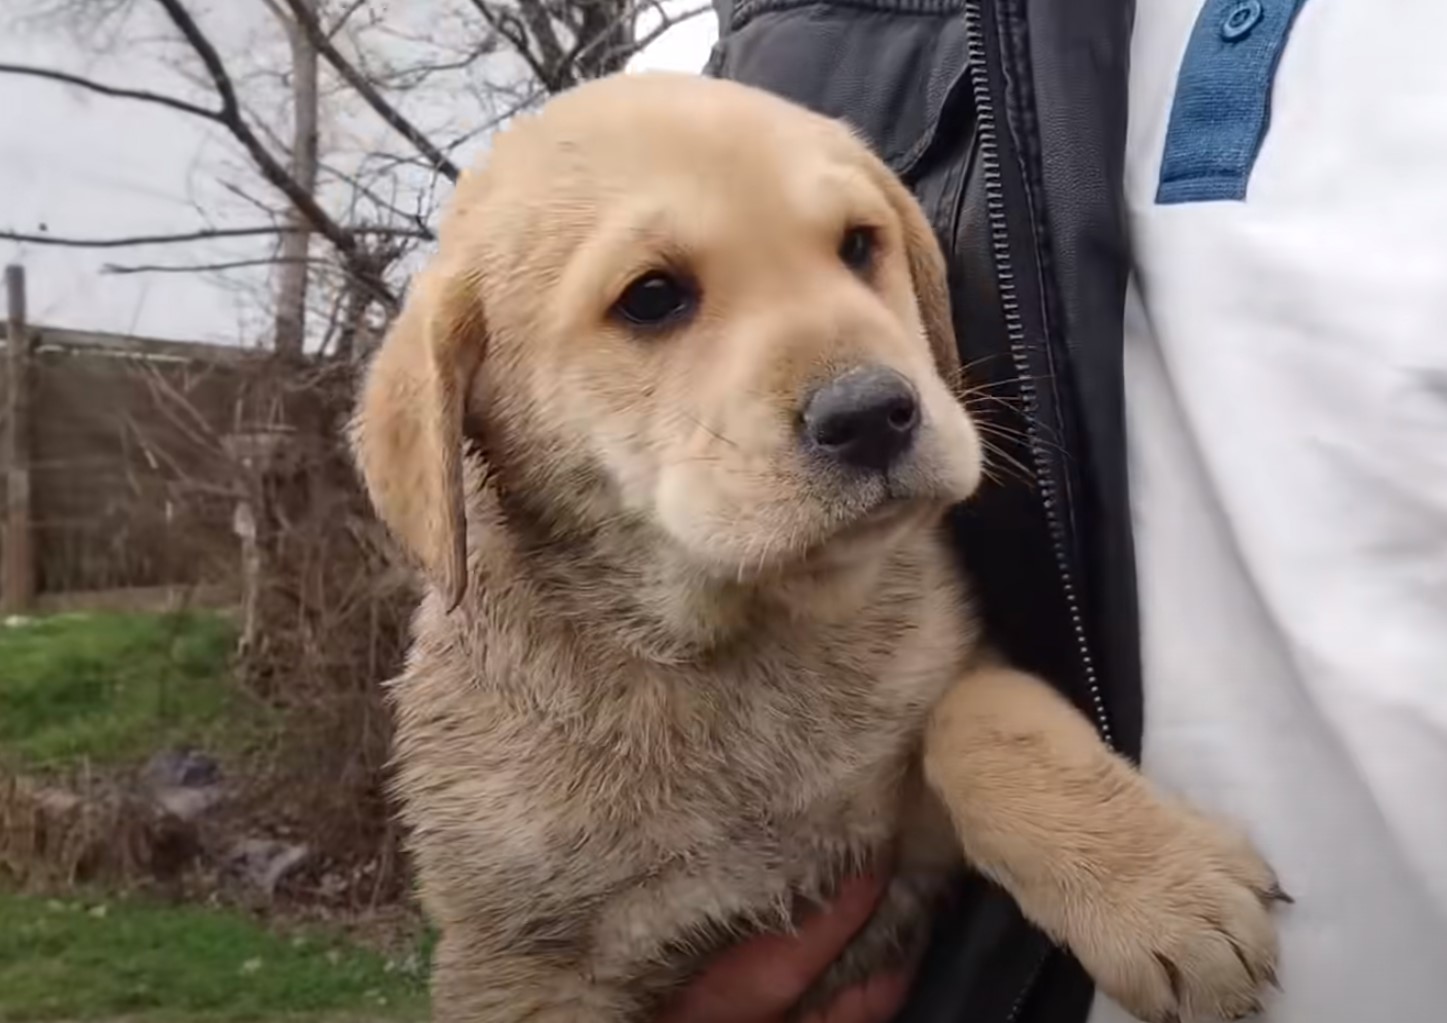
<point x="111" y="688"/>
<point x="154" y="963"/>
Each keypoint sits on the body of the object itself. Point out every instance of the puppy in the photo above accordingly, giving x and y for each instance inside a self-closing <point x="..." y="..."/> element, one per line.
<point x="669" y="425"/>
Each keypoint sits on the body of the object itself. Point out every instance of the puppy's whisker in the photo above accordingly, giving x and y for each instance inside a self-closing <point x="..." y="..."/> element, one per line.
<point x="1000" y="430"/>
<point x="1013" y="403"/>
<point x="993" y="386"/>
<point x="989" y="425"/>
<point x="1020" y="438"/>
<point x="980" y="360"/>
<point x="995" y="454"/>
<point x="707" y="429"/>
<point x="1015" y="380"/>
<point x="961" y="377"/>
<point x="1010" y="419"/>
<point x="987" y="392"/>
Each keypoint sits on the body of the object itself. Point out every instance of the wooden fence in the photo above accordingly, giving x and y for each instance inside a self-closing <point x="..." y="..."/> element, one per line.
<point x="111" y="457"/>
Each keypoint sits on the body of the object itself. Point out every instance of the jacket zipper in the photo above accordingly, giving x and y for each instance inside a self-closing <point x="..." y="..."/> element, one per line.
<point x="989" y="153"/>
<point x="986" y="129"/>
<point x="1019" y="1003"/>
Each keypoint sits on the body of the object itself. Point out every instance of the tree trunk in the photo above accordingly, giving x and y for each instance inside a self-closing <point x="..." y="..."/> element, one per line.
<point x="291" y="276"/>
<point x="17" y="589"/>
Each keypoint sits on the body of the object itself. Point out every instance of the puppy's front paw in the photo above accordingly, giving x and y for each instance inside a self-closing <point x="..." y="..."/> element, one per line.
<point x="1189" y="934"/>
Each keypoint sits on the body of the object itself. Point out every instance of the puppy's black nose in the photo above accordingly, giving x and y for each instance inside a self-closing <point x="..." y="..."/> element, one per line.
<point x="866" y="418"/>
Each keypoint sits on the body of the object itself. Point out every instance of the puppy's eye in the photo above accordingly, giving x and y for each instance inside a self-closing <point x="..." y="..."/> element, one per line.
<point x="857" y="247"/>
<point x="656" y="299"/>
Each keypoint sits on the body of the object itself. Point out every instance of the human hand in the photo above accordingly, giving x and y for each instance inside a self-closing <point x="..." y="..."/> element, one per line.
<point x="760" y="980"/>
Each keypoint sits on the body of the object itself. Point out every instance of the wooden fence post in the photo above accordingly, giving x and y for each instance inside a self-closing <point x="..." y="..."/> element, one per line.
<point x="17" y="592"/>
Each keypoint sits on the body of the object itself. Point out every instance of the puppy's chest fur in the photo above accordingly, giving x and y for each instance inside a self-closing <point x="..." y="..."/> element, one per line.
<point x="572" y="800"/>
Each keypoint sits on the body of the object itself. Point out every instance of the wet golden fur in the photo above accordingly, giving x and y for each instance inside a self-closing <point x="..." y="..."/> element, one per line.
<point x="671" y="673"/>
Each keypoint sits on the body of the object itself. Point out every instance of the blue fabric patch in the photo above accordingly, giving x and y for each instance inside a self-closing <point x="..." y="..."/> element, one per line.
<point x="1223" y="99"/>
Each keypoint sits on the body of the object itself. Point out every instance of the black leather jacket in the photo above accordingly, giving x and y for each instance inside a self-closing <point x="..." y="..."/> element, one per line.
<point x="1007" y="118"/>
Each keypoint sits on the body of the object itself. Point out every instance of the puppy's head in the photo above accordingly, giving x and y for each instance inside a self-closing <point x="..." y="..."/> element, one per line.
<point x="683" y="304"/>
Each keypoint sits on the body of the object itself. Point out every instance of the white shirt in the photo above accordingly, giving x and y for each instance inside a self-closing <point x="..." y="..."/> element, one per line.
<point x="1286" y="387"/>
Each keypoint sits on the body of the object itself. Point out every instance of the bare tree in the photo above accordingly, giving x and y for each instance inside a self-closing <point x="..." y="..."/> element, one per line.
<point x="292" y="265"/>
<point x="310" y="27"/>
<point x="564" y="44"/>
<point x="378" y="104"/>
<point x="494" y="56"/>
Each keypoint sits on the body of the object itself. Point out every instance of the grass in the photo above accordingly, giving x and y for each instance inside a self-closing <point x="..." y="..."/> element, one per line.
<point x="148" y="962"/>
<point x="111" y="688"/>
<point x="105" y="691"/>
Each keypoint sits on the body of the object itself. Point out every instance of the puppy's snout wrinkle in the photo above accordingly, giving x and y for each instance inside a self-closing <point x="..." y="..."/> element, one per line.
<point x="866" y="418"/>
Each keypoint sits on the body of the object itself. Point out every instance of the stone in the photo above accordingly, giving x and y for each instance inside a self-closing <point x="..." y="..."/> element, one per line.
<point x="181" y="768"/>
<point x="265" y="862"/>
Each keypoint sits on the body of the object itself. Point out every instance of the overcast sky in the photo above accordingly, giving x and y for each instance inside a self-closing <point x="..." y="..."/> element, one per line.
<point x="683" y="48"/>
<point x="76" y="164"/>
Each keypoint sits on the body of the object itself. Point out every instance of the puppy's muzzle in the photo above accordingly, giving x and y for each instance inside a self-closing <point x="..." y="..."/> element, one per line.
<point x="866" y="419"/>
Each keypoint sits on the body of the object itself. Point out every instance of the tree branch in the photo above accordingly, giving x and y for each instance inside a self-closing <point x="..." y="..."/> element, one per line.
<point x="597" y="48"/>
<point x="506" y="26"/>
<point x="271" y="169"/>
<point x="143" y="95"/>
<point x="210" y="58"/>
<point x="346" y="16"/>
<point x="205" y="234"/>
<point x="667" y="22"/>
<point x="540" y="23"/>
<point x="188" y="268"/>
<point x="309" y="24"/>
<point x="414" y="75"/>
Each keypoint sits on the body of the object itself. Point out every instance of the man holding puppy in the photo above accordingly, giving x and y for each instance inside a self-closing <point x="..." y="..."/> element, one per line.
<point x="1201" y="240"/>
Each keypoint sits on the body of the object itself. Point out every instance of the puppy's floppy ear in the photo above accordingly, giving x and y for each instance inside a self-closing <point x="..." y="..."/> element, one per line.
<point x="928" y="272"/>
<point x="407" y="430"/>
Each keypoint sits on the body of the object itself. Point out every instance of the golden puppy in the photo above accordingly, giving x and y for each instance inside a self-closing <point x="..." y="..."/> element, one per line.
<point x="668" y="423"/>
